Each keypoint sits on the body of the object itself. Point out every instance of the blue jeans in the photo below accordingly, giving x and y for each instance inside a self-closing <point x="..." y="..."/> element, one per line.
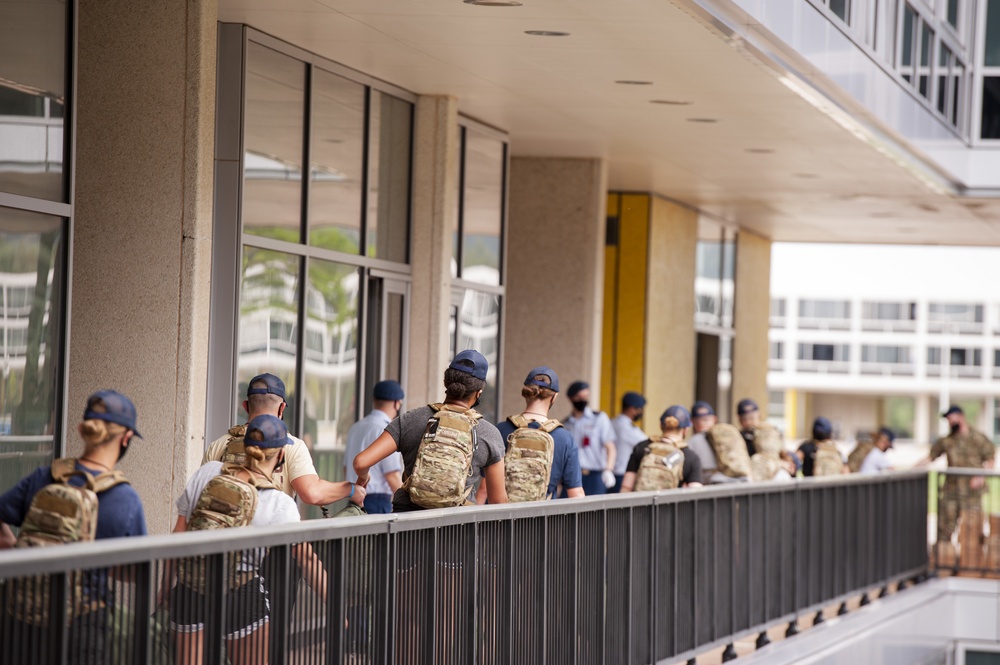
<point x="378" y="504"/>
<point x="592" y="483"/>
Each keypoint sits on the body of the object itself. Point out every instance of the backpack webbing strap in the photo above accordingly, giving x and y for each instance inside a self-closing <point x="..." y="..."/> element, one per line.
<point x="518" y="421"/>
<point x="106" y="481"/>
<point x="454" y="408"/>
<point x="550" y="425"/>
<point x="65" y="467"/>
<point x="255" y="479"/>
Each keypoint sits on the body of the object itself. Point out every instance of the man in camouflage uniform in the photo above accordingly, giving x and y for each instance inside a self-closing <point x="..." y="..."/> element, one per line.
<point x="964" y="448"/>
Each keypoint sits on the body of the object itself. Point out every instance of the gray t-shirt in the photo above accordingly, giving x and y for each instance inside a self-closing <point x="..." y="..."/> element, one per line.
<point x="700" y="446"/>
<point x="407" y="431"/>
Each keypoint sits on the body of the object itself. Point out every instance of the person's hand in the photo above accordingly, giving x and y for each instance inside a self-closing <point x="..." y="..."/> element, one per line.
<point x="976" y="482"/>
<point x="609" y="478"/>
<point x="7" y="538"/>
<point x="362" y="480"/>
<point x="359" y="494"/>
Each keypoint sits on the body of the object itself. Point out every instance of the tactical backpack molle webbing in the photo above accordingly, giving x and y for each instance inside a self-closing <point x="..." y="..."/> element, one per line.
<point x="59" y="513"/>
<point x="858" y="455"/>
<point x="730" y="450"/>
<point x="528" y="462"/>
<point x="767" y="440"/>
<point x="227" y="501"/>
<point x="444" y="460"/>
<point x="764" y="467"/>
<point x="661" y="468"/>
<point x="235" y="452"/>
<point x="828" y="461"/>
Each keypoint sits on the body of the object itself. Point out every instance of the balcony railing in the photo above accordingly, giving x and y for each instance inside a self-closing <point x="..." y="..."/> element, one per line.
<point x="633" y="578"/>
<point x="822" y="323"/>
<point x="887" y="369"/>
<point x="824" y="366"/>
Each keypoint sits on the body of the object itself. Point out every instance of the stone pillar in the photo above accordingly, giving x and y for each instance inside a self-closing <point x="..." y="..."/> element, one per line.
<point x="142" y="235"/>
<point x="922" y="419"/>
<point x="670" y="335"/>
<point x="555" y="274"/>
<point x="752" y="314"/>
<point x="435" y="206"/>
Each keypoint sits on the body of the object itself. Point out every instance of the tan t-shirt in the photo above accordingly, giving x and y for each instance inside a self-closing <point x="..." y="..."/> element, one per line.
<point x="298" y="461"/>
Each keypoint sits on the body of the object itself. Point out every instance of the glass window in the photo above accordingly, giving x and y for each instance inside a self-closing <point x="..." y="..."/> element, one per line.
<point x="885" y="354"/>
<point x="336" y="162"/>
<point x="330" y="384"/>
<point x="824" y="352"/>
<point x="479" y="329"/>
<point x="933" y="355"/>
<point x="991" y="50"/>
<point x="273" y="136"/>
<point x="990" y="128"/>
<point x="482" y="208"/>
<point x="728" y="277"/>
<point x="824" y="309"/>
<point x="952" y="13"/>
<point x="909" y="28"/>
<point x="31" y="288"/>
<point x="268" y="323"/>
<point x="388" y="220"/>
<point x="776" y="350"/>
<point x="32" y="94"/>
<point x="841" y="9"/>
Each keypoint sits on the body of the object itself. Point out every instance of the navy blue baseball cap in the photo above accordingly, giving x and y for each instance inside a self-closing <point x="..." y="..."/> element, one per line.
<point x="266" y="431"/>
<point x="479" y="365"/>
<point x="634" y="400"/>
<point x="266" y="384"/>
<point x="116" y="409"/>
<point x="887" y="433"/>
<point x="548" y="372"/>
<point x="389" y="391"/>
<point x="702" y="408"/>
<point x="822" y="429"/>
<point x="952" y="410"/>
<point x="680" y="413"/>
<point x="576" y="387"/>
<point x="746" y="406"/>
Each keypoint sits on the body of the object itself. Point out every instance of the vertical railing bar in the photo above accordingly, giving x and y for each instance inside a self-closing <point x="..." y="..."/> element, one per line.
<point x="216" y="586"/>
<point x="142" y="602"/>
<point x="545" y="591"/>
<point x="59" y="601"/>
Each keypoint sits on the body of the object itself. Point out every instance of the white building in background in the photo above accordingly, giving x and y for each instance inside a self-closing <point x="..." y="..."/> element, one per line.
<point x="871" y="335"/>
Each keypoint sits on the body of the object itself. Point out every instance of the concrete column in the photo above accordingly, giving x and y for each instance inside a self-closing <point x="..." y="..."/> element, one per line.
<point x="555" y="273"/>
<point x="752" y="311"/>
<point x="435" y="201"/>
<point x="142" y="233"/>
<point x="670" y="335"/>
<point x="922" y="418"/>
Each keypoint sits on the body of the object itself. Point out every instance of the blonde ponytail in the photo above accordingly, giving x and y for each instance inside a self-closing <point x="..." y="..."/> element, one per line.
<point x="96" y="432"/>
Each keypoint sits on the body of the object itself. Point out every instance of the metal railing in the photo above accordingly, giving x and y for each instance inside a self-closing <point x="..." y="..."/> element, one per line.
<point x="634" y="578"/>
<point x="967" y="511"/>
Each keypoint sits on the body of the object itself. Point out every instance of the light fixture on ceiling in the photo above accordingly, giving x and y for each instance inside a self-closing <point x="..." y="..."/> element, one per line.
<point x="494" y="3"/>
<point x="669" y="102"/>
<point x="706" y="121"/>
<point x="759" y="151"/>
<point x="631" y="82"/>
<point x="546" y="33"/>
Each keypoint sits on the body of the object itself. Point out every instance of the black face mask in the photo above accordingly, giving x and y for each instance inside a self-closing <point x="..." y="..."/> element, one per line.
<point x="579" y="404"/>
<point x="637" y="417"/>
<point x="955" y="428"/>
<point x="121" y="452"/>
<point x="281" y="463"/>
<point x="477" y="403"/>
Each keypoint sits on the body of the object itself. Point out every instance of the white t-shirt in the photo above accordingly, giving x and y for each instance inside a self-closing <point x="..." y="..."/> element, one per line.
<point x="627" y="436"/>
<point x="298" y="461"/>
<point x="875" y="462"/>
<point x="273" y="507"/>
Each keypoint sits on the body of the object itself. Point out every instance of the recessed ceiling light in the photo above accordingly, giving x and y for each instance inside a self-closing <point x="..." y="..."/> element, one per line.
<point x="546" y="33"/>
<point x="760" y="151"/>
<point x="707" y="121"/>
<point x="669" y="102"/>
<point x="806" y="176"/>
<point x="628" y="82"/>
<point x="494" y="3"/>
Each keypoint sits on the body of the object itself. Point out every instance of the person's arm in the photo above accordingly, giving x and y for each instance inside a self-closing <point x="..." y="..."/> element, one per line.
<point x="7" y="538"/>
<point x="612" y="452"/>
<point x="693" y="471"/>
<point x="381" y="448"/>
<point x="572" y="478"/>
<point x="628" y="482"/>
<point x="481" y="493"/>
<point x="395" y="480"/>
<point x="496" y="487"/>
<point x="312" y="568"/>
<point x="318" y="492"/>
<point x="167" y="581"/>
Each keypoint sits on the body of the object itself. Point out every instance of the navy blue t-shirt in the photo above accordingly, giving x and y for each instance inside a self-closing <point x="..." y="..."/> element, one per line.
<point x="565" y="460"/>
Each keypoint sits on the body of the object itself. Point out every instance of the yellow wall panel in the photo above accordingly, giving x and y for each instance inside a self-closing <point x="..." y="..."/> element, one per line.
<point x="630" y="317"/>
<point x="751" y="319"/>
<point x="608" y="329"/>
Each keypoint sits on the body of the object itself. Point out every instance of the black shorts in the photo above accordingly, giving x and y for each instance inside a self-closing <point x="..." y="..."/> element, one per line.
<point x="247" y="609"/>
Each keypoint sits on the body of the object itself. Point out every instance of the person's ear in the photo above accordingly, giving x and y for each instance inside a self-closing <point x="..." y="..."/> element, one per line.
<point x="281" y="409"/>
<point x="127" y="437"/>
<point x="246" y="406"/>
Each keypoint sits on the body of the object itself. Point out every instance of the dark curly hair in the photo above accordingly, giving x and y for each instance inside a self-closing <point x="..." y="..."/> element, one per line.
<point x="459" y="385"/>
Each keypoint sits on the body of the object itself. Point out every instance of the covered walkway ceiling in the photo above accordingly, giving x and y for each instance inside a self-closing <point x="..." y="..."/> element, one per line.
<point x="731" y="139"/>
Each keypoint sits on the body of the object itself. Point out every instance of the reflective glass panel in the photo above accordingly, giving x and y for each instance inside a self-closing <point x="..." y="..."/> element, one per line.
<point x="708" y="271"/>
<point x="456" y="240"/>
<point x="32" y="94"/>
<point x="991" y="51"/>
<point x="388" y="231"/>
<point x="337" y="163"/>
<point x="31" y="294"/>
<point x="728" y="278"/>
<point x="268" y="329"/>
<point x="331" y="353"/>
<point x="991" y="108"/>
<point x="482" y="208"/>
<point x="275" y="121"/>
<point x="479" y="329"/>
<point x="906" y="51"/>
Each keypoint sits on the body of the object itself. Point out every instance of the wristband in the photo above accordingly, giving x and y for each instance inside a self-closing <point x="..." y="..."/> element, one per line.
<point x="352" y="491"/>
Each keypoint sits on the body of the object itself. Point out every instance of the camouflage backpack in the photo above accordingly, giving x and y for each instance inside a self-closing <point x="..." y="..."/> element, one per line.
<point x="764" y="467"/>
<point x="661" y="468"/>
<point x="227" y="501"/>
<point x="858" y="455"/>
<point x="730" y="450"/>
<point x="767" y="439"/>
<point x="235" y="452"/>
<point x="828" y="460"/>
<point x="444" y="460"/>
<point x="59" y="513"/>
<point x="528" y="463"/>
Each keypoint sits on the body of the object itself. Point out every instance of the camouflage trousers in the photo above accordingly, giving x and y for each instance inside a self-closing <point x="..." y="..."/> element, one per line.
<point x="956" y="500"/>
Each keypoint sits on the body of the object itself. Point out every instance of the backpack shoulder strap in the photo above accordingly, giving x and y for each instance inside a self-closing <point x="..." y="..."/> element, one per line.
<point x="469" y="413"/>
<point x="63" y="468"/>
<point x="518" y="421"/>
<point x="549" y="425"/>
<point x="109" y="479"/>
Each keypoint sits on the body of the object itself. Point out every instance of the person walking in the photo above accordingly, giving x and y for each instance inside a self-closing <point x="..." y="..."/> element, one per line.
<point x="627" y="434"/>
<point x="386" y="476"/>
<point x="594" y="438"/>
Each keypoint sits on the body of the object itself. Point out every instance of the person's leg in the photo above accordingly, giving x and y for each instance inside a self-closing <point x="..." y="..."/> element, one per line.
<point x="618" y="484"/>
<point x="250" y="649"/>
<point x="378" y="504"/>
<point x="188" y="647"/>
<point x="592" y="484"/>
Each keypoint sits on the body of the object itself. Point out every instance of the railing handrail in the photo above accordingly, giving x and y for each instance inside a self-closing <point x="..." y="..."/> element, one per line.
<point x="962" y="471"/>
<point x="124" y="551"/>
